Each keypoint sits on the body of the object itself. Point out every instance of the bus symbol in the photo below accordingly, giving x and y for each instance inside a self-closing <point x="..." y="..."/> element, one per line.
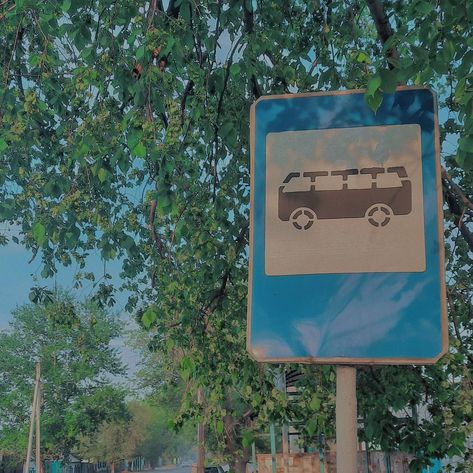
<point x="378" y="203"/>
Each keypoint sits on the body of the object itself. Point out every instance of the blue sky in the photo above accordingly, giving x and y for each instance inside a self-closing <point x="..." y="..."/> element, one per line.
<point x="17" y="277"/>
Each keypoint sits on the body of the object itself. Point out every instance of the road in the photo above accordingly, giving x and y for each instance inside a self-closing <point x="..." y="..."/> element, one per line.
<point x="174" y="469"/>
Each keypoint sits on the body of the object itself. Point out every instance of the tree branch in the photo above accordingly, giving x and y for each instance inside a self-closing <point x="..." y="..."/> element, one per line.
<point x="153" y="5"/>
<point x="458" y="204"/>
<point x="18" y="39"/>
<point x="219" y="110"/>
<point x="187" y="91"/>
<point x="456" y="327"/>
<point x="383" y="28"/>
<point x="454" y="195"/>
<point x="466" y="233"/>
<point x="9" y="9"/>
<point x="455" y="188"/>
<point x="249" y="27"/>
<point x="173" y="10"/>
<point x="197" y="42"/>
<point x="255" y="88"/>
<point x="154" y="236"/>
<point x="220" y="293"/>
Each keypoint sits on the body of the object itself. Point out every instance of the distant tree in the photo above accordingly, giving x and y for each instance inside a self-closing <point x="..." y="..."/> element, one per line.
<point x="113" y="443"/>
<point x="145" y="432"/>
<point x="73" y="341"/>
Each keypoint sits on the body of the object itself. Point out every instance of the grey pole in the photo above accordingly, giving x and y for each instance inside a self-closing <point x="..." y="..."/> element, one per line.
<point x="38" y="421"/>
<point x="32" y="420"/>
<point x="200" y="437"/>
<point x="346" y="420"/>
<point x="253" y="457"/>
<point x="272" y="434"/>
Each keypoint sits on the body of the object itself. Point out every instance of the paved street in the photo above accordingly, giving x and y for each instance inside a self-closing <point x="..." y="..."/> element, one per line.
<point x="174" y="469"/>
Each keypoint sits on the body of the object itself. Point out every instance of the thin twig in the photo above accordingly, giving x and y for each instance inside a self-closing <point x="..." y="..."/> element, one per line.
<point x="17" y="37"/>
<point x="220" y="293"/>
<point x="154" y="236"/>
<point x="9" y="9"/>
<point x="151" y="12"/>
<point x="456" y="326"/>
<point x="187" y="91"/>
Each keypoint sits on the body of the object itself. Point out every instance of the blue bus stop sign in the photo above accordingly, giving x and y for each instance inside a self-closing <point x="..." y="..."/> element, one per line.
<point x="346" y="240"/>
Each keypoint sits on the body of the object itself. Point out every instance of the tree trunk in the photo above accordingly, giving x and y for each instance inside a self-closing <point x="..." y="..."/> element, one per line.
<point x="240" y="462"/>
<point x="112" y="467"/>
<point x="238" y="458"/>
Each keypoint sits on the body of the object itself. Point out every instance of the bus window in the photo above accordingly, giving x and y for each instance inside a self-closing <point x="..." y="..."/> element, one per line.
<point x="329" y="183"/>
<point x="297" y="184"/>
<point x="389" y="179"/>
<point x="359" y="181"/>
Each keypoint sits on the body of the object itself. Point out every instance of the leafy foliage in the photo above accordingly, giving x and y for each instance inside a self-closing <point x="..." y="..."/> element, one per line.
<point x="73" y="343"/>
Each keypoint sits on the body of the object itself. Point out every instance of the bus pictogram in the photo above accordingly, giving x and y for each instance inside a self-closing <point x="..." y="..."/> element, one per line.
<point x="376" y="202"/>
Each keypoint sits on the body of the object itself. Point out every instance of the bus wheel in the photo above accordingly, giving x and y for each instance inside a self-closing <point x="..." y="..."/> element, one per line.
<point x="379" y="215"/>
<point x="303" y="218"/>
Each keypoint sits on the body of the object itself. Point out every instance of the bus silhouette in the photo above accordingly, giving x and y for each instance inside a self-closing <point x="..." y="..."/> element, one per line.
<point x="376" y="203"/>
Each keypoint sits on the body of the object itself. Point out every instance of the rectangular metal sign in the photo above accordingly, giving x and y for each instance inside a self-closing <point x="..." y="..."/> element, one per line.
<point x="346" y="231"/>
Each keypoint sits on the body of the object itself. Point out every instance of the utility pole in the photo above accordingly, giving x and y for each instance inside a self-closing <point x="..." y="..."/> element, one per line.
<point x="200" y="437"/>
<point x="38" y="420"/>
<point x="34" y="417"/>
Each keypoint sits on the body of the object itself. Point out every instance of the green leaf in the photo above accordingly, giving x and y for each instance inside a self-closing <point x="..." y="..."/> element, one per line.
<point x="134" y="137"/>
<point x="423" y="8"/>
<point x="312" y="427"/>
<point x="388" y="80"/>
<point x="108" y="252"/>
<point x="464" y="159"/>
<point x="3" y="145"/>
<point x="139" y="150"/>
<point x="34" y="59"/>
<point x="39" y="233"/>
<point x="219" y="426"/>
<point x="103" y="175"/>
<point x="234" y="70"/>
<point x="466" y="144"/>
<point x="169" y="45"/>
<point x="225" y="129"/>
<point x="148" y="317"/>
<point x="314" y="403"/>
<point x="187" y="367"/>
<point x="128" y="243"/>
<point x="164" y="203"/>
<point x="186" y="363"/>
<point x="363" y="57"/>
<point x="247" y="439"/>
<point x="66" y="4"/>
<point x="374" y="101"/>
<point x="140" y="52"/>
<point x="373" y="85"/>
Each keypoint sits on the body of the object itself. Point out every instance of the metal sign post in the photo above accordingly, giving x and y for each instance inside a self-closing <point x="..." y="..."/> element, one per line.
<point x="346" y="419"/>
<point x="346" y="237"/>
